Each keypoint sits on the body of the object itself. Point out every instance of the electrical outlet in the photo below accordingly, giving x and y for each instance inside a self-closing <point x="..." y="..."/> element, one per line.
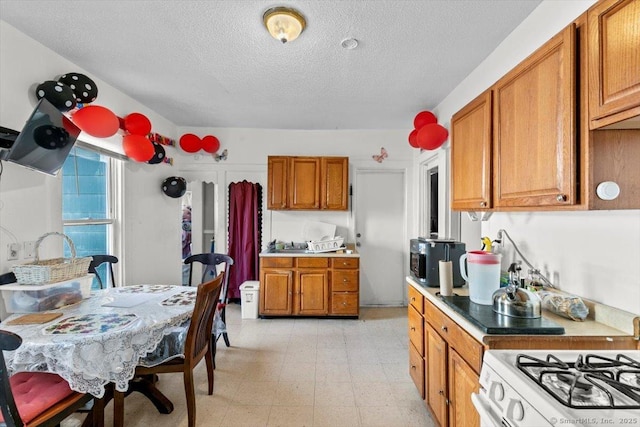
<point x="13" y="251"/>
<point x="29" y="249"/>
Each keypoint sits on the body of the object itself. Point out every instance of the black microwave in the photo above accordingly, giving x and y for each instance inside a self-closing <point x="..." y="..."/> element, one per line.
<point x="425" y="254"/>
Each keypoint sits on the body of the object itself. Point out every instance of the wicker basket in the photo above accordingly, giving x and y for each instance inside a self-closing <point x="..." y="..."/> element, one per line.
<point x="42" y="272"/>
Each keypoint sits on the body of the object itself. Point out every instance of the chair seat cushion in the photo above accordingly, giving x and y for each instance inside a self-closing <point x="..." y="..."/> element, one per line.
<point x="35" y="392"/>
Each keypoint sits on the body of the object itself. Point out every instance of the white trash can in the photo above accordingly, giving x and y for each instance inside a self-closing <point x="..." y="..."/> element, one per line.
<point x="249" y="298"/>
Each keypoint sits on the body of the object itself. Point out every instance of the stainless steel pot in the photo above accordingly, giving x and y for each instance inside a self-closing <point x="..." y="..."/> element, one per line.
<point x="517" y="302"/>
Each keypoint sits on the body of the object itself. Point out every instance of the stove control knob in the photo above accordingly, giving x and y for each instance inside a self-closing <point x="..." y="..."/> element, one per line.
<point x="496" y="391"/>
<point x="515" y="410"/>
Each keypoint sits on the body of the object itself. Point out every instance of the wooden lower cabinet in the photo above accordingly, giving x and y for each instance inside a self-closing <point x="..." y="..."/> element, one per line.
<point x="436" y="375"/>
<point x="309" y="286"/>
<point x="462" y="382"/>
<point x="276" y="291"/>
<point x="453" y="358"/>
<point x="312" y="292"/>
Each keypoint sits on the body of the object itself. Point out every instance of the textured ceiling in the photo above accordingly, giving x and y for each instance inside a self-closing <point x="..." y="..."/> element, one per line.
<point x="213" y="64"/>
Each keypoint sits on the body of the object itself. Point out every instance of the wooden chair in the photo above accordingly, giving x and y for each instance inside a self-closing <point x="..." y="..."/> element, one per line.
<point x="211" y="261"/>
<point x="97" y="261"/>
<point x="35" y="398"/>
<point x="197" y="345"/>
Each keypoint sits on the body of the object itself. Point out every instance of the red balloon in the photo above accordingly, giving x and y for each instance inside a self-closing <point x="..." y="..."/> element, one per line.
<point x="96" y="121"/>
<point x="424" y="118"/>
<point x="413" y="141"/>
<point x="138" y="147"/>
<point x="432" y="136"/>
<point x="210" y="144"/>
<point x="137" y="124"/>
<point x="190" y="143"/>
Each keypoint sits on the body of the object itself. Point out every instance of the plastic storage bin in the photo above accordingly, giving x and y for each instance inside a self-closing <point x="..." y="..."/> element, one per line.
<point x="35" y="298"/>
<point x="249" y="297"/>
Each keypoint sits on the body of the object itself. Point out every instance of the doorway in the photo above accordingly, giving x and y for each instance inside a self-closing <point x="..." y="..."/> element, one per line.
<point x="380" y="226"/>
<point x="198" y="225"/>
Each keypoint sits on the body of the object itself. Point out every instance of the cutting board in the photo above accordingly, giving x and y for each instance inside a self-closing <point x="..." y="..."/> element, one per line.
<point x="34" y="318"/>
<point x="315" y="231"/>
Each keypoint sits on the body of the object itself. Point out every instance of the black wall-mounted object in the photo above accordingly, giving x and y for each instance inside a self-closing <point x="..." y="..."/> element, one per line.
<point x="45" y="141"/>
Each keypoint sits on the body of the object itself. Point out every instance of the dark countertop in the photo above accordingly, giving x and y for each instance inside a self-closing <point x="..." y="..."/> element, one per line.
<point x="490" y="322"/>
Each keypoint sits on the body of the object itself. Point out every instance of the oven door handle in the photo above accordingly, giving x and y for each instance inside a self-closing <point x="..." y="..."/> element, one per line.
<point x="487" y="418"/>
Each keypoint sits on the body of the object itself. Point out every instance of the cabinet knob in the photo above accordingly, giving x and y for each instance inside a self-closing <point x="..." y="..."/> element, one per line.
<point x="443" y="328"/>
<point x="413" y="328"/>
<point x="483" y="204"/>
<point x="413" y="367"/>
<point x="446" y="402"/>
<point x="413" y="299"/>
<point x="441" y="392"/>
<point x="561" y="198"/>
<point x="345" y="280"/>
<point x="344" y="304"/>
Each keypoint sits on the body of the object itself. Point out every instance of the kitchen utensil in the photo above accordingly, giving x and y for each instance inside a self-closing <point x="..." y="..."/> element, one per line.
<point x="517" y="302"/>
<point x="482" y="272"/>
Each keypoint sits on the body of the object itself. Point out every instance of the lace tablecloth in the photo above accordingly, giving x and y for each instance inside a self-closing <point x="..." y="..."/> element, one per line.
<point x="92" y="345"/>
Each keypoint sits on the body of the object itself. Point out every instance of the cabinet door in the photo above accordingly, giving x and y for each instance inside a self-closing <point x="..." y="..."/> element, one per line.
<point x="312" y="292"/>
<point x="335" y="183"/>
<point x="276" y="292"/>
<point x="304" y="182"/>
<point x="471" y="155"/>
<point x="462" y="382"/>
<point x="614" y="61"/>
<point x="534" y="128"/>
<point x="436" y="375"/>
<point x="277" y="176"/>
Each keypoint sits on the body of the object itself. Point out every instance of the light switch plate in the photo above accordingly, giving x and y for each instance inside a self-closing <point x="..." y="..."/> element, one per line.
<point x="29" y="249"/>
<point x="13" y="251"/>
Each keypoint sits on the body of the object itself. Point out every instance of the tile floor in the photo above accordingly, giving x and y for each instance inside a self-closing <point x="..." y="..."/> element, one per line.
<point x="300" y="372"/>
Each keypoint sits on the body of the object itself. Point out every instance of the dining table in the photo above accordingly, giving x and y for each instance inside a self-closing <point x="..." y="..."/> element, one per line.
<point x="96" y="344"/>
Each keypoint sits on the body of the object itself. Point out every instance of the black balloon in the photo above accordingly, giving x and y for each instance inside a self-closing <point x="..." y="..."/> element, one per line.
<point x="174" y="186"/>
<point x="83" y="87"/>
<point x="50" y="137"/>
<point x="159" y="154"/>
<point x="58" y="94"/>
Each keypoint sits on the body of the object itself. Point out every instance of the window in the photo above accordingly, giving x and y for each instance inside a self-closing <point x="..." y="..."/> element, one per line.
<point x="88" y="211"/>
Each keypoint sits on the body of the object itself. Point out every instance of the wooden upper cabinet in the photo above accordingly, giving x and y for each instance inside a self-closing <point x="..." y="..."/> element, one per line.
<point x="614" y="61"/>
<point x="334" y="181"/>
<point x="308" y="183"/>
<point x="277" y="182"/>
<point x="304" y="177"/>
<point x="534" y="128"/>
<point x="471" y="155"/>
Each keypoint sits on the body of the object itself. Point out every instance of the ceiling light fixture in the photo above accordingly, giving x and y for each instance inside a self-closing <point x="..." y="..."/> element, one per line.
<point x="283" y="23"/>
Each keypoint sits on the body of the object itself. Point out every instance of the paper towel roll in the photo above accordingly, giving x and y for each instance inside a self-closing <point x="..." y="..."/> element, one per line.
<point x="446" y="278"/>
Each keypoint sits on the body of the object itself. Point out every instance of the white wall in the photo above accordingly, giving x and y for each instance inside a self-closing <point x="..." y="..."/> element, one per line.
<point x="247" y="159"/>
<point x="30" y="202"/>
<point x="593" y="254"/>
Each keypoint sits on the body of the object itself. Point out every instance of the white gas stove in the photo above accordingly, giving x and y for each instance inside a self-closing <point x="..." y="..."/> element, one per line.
<point x="537" y="388"/>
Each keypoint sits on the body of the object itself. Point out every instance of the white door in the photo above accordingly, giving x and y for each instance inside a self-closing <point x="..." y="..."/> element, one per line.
<point x="380" y="232"/>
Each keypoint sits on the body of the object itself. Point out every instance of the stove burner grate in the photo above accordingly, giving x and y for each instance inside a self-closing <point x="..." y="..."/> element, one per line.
<point x="591" y="382"/>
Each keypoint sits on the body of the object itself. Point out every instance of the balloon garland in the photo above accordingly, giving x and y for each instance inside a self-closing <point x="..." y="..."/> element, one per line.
<point x="191" y="143"/>
<point x="427" y="133"/>
<point x="71" y="93"/>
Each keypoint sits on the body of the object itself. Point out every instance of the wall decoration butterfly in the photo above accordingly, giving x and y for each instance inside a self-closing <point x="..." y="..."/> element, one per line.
<point x="222" y="156"/>
<point x="383" y="155"/>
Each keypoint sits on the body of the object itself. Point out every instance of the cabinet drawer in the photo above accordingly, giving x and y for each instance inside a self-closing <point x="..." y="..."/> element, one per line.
<point x="416" y="369"/>
<point x="416" y="330"/>
<point x="345" y="262"/>
<point x="312" y="262"/>
<point x="457" y="338"/>
<point x="344" y="280"/>
<point x="416" y="299"/>
<point x="344" y="303"/>
<point x="276" y="262"/>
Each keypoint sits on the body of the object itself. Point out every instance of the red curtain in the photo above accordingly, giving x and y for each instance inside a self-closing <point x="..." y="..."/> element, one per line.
<point x="245" y="219"/>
